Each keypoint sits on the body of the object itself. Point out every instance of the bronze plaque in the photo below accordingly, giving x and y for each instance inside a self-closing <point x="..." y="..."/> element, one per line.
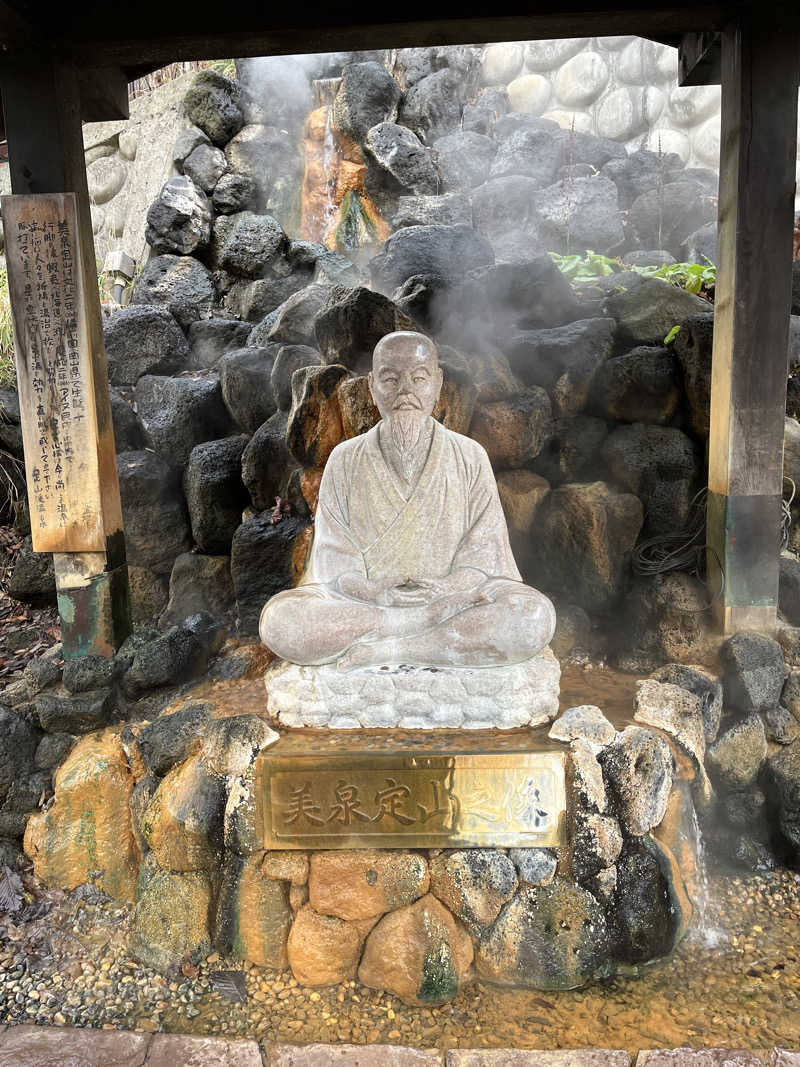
<point x="430" y="796"/>
<point x="54" y="374"/>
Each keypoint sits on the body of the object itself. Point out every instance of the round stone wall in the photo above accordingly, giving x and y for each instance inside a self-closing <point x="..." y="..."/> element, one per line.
<point x="623" y="88"/>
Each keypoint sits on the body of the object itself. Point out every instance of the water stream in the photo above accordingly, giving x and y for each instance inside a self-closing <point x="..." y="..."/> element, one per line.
<point x="330" y="208"/>
<point x="704" y="929"/>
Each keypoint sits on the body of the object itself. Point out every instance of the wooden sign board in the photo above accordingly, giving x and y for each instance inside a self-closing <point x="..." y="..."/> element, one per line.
<point x="418" y="799"/>
<point x="54" y="372"/>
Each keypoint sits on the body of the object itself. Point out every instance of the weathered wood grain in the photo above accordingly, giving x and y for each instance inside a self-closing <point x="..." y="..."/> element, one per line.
<point x="753" y="299"/>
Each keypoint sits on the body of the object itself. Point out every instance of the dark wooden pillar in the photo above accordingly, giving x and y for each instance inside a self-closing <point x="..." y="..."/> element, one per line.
<point x="42" y="106"/>
<point x="753" y="300"/>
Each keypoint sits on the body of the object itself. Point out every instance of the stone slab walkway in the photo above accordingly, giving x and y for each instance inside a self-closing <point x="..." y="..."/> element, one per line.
<point x="55" y="1046"/>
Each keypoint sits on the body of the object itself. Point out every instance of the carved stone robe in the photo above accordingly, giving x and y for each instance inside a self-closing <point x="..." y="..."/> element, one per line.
<point x="452" y="518"/>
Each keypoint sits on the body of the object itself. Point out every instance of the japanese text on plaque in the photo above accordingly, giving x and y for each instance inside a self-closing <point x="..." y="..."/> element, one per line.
<point x="482" y="802"/>
<point x="52" y="371"/>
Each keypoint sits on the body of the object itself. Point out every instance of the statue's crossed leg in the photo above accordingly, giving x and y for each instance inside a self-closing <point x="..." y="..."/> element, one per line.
<point x="499" y="622"/>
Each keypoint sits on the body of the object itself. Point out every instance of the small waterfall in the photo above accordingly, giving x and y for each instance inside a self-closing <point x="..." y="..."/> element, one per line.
<point x="335" y="207"/>
<point x="704" y="929"/>
<point x="330" y="207"/>
<point x="325" y="90"/>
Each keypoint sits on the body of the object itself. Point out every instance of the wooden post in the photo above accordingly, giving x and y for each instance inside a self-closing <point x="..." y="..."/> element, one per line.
<point x="43" y="124"/>
<point x="753" y="302"/>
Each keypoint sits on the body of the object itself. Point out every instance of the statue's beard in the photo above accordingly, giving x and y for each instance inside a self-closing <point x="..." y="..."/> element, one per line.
<point x="406" y="427"/>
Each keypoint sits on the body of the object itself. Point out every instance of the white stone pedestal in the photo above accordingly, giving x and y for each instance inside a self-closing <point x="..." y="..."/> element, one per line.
<point x="416" y="698"/>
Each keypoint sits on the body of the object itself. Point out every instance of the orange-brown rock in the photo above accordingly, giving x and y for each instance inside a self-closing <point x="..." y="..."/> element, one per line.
<point x="456" y="404"/>
<point x="316" y="124"/>
<point x="350" y="178"/>
<point x="315" y="173"/>
<point x="309" y="487"/>
<point x="183" y="822"/>
<point x="322" y="949"/>
<point x="300" y="550"/>
<point x="420" y="953"/>
<point x="521" y="493"/>
<point x="513" y="431"/>
<point x="359" y="413"/>
<point x="315" y="422"/>
<point x="676" y="834"/>
<point x="286" y="866"/>
<point x="347" y="148"/>
<point x="682" y="905"/>
<point x="335" y="166"/>
<point x="89" y="827"/>
<point x="365" y="883"/>
<point x="253" y="914"/>
<point x="493" y="377"/>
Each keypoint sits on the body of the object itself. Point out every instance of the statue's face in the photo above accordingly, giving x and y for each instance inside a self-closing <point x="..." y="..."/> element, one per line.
<point x="406" y="377"/>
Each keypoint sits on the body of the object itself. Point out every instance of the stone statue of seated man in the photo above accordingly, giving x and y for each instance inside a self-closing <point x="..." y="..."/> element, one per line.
<point x="411" y="562"/>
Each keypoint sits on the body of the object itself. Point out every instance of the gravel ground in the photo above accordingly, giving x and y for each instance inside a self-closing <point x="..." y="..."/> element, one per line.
<point x="63" y="962"/>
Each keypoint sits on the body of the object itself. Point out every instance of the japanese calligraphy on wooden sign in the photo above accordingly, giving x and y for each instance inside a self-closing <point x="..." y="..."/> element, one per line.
<point x="416" y="800"/>
<point x="54" y="374"/>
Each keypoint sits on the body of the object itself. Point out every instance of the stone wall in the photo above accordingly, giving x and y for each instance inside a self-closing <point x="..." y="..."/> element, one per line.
<point x="624" y="88"/>
<point x="127" y="162"/>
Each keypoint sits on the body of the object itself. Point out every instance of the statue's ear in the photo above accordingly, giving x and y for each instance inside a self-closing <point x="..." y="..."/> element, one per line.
<point x="369" y="383"/>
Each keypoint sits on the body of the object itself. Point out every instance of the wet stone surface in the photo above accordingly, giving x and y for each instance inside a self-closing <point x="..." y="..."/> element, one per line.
<point x="69" y="968"/>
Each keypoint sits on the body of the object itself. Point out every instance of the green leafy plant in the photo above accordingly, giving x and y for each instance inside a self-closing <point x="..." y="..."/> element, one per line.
<point x="693" y="277"/>
<point x="581" y="270"/>
<point x="697" y="278"/>
<point x="673" y="333"/>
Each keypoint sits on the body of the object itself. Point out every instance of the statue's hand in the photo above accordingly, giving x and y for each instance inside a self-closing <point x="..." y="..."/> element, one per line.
<point x="411" y="594"/>
<point x="461" y="582"/>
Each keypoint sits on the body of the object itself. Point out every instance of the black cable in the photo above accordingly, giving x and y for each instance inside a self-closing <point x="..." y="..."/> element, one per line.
<point x="686" y="549"/>
<point x="680" y="550"/>
<point x="786" y="513"/>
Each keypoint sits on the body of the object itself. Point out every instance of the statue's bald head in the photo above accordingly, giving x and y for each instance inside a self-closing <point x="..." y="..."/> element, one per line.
<point x="405" y="344"/>
<point x="405" y="373"/>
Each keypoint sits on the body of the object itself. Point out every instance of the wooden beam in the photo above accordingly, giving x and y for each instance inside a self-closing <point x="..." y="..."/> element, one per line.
<point x="194" y="31"/>
<point x="42" y="107"/>
<point x="753" y="300"/>
<point x="104" y="93"/>
<point x="700" y="58"/>
<point x="14" y="27"/>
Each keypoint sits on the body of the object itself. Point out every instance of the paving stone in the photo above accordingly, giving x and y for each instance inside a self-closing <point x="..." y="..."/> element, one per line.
<point x="510" y="1057"/>
<point x="784" y="1057"/>
<point x="351" y="1056"/>
<point x="53" y="1046"/>
<point x="168" y="1050"/>
<point x="701" y="1057"/>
